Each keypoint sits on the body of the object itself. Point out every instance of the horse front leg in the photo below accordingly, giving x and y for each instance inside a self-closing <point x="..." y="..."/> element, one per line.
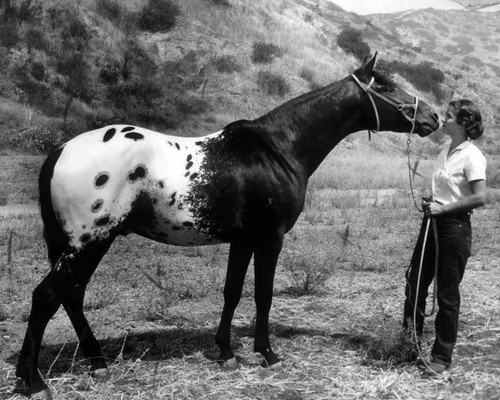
<point x="240" y="254"/>
<point x="266" y="258"/>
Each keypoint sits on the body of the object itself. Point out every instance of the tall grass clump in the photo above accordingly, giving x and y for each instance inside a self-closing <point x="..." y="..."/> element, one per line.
<point x="159" y="16"/>
<point x="272" y="83"/>
<point x="265" y="53"/>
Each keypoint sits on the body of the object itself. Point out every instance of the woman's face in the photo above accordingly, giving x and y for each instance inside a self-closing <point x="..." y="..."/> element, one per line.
<point x="450" y="124"/>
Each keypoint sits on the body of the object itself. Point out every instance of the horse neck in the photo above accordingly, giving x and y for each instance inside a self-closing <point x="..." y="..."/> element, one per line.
<point x="308" y="127"/>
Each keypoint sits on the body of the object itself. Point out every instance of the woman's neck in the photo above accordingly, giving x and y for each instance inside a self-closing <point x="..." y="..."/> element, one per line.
<point x="456" y="141"/>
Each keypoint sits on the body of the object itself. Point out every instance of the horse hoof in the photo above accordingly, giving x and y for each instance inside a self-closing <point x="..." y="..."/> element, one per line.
<point x="230" y="364"/>
<point x="101" y="374"/>
<point x="43" y="394"/>
<point x="20" y="386"/>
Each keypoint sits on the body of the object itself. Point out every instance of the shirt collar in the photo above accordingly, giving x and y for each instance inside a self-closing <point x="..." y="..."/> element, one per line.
<point x="461" y="146"/>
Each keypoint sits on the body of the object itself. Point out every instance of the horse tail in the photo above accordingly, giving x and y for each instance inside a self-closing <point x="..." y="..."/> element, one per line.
<point x="55" y="237"/>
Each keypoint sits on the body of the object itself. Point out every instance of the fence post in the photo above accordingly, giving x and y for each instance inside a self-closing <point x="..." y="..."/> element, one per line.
<point x="9" y="247"/>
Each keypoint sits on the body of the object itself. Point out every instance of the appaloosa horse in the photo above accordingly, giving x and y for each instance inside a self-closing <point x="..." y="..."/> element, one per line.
<point x="244" y="185"/>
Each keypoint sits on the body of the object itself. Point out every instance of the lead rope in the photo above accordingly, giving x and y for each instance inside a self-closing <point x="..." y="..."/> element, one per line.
<point x="436" y="262"/>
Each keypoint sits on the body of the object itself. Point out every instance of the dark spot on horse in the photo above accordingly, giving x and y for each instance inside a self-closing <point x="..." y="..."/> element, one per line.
<point x="85" y="237"/>
<point x="97" y="205"/>
<point x="173" y="195"/>
<point x="170" y="143"/>
<point x="128" y="129"/>
<point x="193" y="176"/>
<point x="172" y="202"/>
<point x="161" y="184"/>
<point x="189" y="158"/>
<point x="187" y="223"/>
<point x="198" y="143"/>
<point x="176" y="228"/>
<point x="109" y="134"/>
<point x="84" y="226"/>
<point x="104" y="220"/>
<point x="138" y="173"/>
<point x="135" y="136"/>
<point x="154" y="201"/>
<point x="187" y="173"/>
<point x="101" y="180"/>
<point x="177" y="145"/>
<point x="189" y="164"/>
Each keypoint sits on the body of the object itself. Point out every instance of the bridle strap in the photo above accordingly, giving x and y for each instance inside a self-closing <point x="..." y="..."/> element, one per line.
<point x="400" y="107"/>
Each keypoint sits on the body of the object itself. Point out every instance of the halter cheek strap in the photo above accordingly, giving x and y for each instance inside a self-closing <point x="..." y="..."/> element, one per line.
<point x="400" y="107"/>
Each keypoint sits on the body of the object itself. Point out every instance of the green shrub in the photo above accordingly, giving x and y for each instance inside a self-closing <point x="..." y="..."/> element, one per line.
<point x="226" y="64"/>
<point x="350" y="40"/>
<point x="272" y="84"/>
<point x="159" y="16"/>
<point x="265" y="53"/>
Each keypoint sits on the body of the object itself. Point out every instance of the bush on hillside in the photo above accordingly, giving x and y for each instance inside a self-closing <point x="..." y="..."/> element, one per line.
<point x="265" y="53"/>
<point x="226" y="64"/>
<point x="272" y="84"/>
<point x="308" y="76"/>
<point x="110" y="73"/>
<point x="350" y="40"/>
<point x="424" y="76"/>
<point x="159" y="16"/>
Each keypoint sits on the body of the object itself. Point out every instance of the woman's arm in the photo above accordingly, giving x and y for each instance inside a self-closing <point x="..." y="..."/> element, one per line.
<point x="477" y="198"/>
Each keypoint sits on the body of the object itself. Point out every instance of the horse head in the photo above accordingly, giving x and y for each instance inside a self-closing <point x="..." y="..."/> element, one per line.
<point x="391" y="108"/>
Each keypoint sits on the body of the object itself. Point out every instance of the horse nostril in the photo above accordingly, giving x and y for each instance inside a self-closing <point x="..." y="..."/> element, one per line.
<point x="435" y="116"/>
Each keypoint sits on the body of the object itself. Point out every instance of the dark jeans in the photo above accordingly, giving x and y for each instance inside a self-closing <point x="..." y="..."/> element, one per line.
<point x="454" y="238"/>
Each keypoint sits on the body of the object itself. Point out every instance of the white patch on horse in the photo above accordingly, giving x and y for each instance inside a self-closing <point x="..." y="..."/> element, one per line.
<point x="101" y="173"/>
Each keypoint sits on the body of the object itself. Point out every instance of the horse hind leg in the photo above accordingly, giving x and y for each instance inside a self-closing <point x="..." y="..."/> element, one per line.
<point x="65" y="284"/>
<point x="72" y="301"/>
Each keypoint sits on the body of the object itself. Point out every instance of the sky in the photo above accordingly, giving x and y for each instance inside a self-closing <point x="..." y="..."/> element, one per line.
<point x="363" y="7"/>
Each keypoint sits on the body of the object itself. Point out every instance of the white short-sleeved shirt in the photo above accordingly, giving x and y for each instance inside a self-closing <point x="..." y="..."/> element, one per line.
<point x="452" y="173"/>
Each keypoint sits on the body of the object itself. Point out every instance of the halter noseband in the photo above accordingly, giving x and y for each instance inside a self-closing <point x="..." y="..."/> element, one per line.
<point x="400" y="107"/>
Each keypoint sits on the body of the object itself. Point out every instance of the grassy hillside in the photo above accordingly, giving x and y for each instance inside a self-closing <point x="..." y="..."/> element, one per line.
<point x="71" y="66"/>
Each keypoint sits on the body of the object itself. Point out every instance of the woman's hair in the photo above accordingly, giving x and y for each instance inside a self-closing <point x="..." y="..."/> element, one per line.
<point x="469" y="116"/>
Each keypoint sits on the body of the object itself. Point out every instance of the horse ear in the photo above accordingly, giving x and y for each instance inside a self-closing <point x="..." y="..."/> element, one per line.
<point x="365" y="71"/>
<point x="369" y="67"/>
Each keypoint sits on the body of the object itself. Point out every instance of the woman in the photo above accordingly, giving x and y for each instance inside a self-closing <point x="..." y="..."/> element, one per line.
<point x="458" y="187"/>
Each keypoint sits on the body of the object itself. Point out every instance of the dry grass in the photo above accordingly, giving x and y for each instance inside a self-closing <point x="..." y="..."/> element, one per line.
<point x="344" y="342"/>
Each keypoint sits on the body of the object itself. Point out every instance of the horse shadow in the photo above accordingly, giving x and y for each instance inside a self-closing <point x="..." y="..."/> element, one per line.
<point x="165" y="344"/>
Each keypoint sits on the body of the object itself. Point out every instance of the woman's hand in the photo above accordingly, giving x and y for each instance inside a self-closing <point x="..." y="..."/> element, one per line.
<point x="432" y="208"/>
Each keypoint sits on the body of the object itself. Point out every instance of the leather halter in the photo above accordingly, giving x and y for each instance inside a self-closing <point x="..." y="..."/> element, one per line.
<point x="400" y="107"/>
